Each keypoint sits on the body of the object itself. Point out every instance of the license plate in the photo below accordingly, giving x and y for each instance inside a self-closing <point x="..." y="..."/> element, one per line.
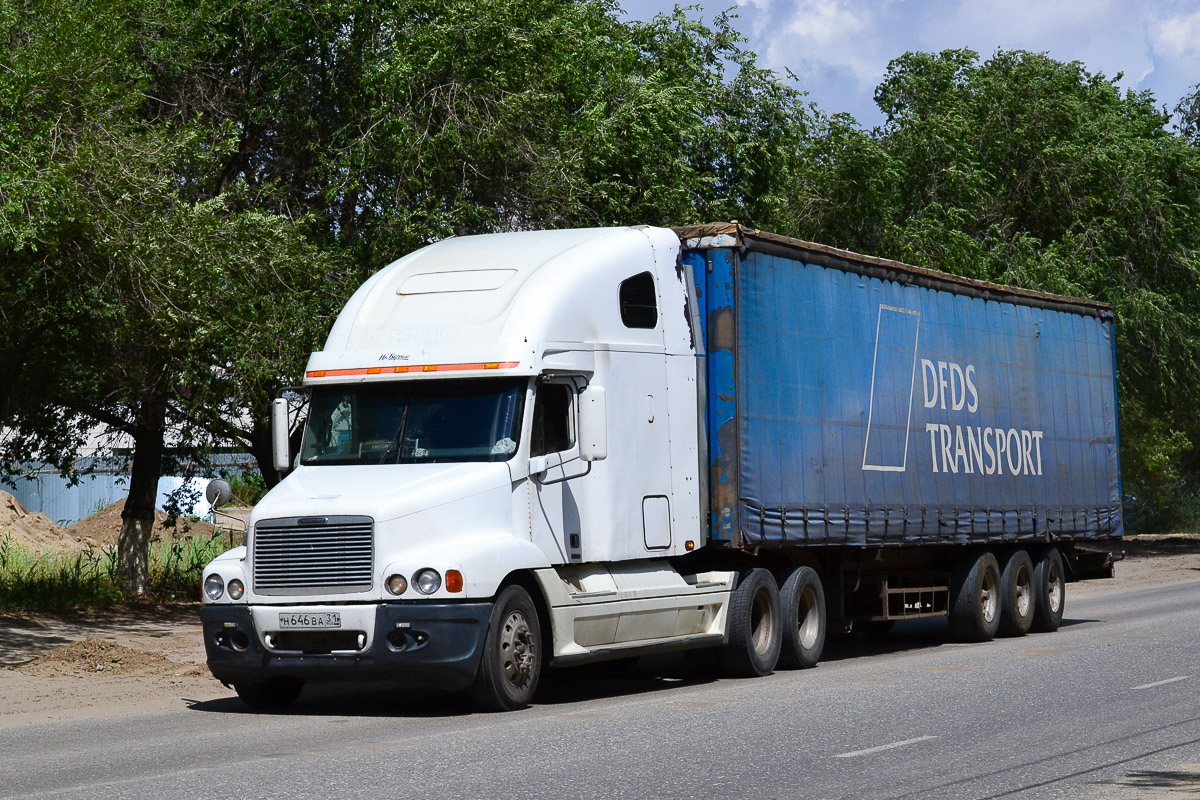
<point x="310" y="620"/>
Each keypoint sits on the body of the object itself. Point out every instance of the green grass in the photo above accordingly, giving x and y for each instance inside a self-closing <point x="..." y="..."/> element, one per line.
<point x="31" y="581"/>
<point x="248" y="486"/>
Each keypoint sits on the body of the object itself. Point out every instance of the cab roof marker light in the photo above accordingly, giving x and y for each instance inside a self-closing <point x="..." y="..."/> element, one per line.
<point x="341" y="373"/>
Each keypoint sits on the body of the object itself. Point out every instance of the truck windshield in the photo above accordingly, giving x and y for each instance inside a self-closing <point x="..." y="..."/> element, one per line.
<point x="414" y="422"/>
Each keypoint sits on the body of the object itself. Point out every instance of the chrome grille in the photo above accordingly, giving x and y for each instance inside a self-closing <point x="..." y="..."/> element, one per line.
<point x="317" y="554"/>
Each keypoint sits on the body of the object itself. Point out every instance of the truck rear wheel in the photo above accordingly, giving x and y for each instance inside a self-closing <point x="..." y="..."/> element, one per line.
<point x="1018" y="600"/>
<point x="1050" y="588"/>
<point x="802" y="600"/>
<point x="511" y="663"/>
<point x="272" y="694"/>
<point x="975" y="597"/>
<point x="752" y="646"/>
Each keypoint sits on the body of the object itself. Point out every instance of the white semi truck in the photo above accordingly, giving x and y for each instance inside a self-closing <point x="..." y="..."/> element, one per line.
<point x="541" y="449"/>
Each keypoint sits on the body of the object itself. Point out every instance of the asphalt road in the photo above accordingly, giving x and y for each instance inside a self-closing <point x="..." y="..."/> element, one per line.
<point x="1107" y="707"/>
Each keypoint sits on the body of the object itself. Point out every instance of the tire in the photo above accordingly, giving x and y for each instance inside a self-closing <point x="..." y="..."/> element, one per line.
<point x="1050" y="588"/>
<point x="272" y="694"/>
<point x="1018" y="599"/>
<point x="802" y="602"/>
<point x="755" y="626"/>
<point x="511" y="663"/>
<point x="975" y="597"/>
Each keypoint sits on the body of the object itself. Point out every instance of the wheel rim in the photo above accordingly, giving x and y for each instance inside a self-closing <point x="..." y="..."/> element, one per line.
<point x="762" y="623"/>
<point x="1024" y="593"/>
<point x="988" y="596"/>
<point x="517" y="649"/>
<point x="1054" y="587"/>
<point x="810" y="619"/>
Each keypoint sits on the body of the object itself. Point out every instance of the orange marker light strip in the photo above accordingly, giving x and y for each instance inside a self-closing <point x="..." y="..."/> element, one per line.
<point x="454" y="581"/>
<point x="343" y="373"/>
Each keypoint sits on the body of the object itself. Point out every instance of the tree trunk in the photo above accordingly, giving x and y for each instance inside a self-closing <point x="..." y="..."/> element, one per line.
<point x="260" y="448"/>
<point x="137" y="520"/>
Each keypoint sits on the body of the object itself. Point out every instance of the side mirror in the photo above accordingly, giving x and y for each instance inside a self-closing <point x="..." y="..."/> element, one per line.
<point x="280" y="428"/>
<point x="218" y="493"/>
<point x="593" y="424"/>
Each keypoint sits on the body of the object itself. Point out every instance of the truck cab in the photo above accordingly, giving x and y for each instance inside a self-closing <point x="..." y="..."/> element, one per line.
<point x="500" y="460"/>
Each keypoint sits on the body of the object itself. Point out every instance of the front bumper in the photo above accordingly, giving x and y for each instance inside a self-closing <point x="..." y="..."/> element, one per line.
<point x="419" y="644"/>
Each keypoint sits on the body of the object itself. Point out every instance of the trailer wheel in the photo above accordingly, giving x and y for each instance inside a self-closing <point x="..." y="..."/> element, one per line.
<point x="1018" y="599"/>
<point x="1050" y="587"/>
<point x="975" y="597"/>
<point x="511" y="663"/>
<point x="802" y="600"/>
<point x="272" y="694"/>
<point x="752" y="646"/>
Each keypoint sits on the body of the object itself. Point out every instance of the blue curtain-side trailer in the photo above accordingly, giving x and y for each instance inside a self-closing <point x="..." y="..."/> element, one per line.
<point x="894" y="425"/>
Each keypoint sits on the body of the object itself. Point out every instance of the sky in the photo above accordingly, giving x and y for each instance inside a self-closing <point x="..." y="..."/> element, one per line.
<point x="840" y="49"/>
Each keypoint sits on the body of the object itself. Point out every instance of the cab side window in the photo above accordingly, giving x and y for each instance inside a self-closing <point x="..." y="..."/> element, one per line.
<point x="552" y="429"/>
<point x="639" y="302"/>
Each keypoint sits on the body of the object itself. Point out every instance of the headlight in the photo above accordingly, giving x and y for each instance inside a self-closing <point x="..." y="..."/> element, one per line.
<point x="427" y="581"/>
<point x="236" y="589"/>
<point x="214" y="587"/>
<point x="397" y="584"/>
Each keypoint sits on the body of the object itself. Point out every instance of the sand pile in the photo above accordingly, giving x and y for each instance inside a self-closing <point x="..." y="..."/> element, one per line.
<point x="104" y="526"/>
<point x="34" y="532"/>
<point x="31" y="530"/>
<point x="101" y="657"/>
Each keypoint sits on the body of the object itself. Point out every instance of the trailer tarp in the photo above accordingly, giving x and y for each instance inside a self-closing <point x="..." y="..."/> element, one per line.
<point x="849" y="408"/>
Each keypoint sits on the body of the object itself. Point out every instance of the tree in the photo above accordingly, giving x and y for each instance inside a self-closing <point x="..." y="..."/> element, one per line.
<point x="120" y="264"/>
<point x="192" y="192"/>
<point x="1188" y="111"/>
<point x="1029" y="171"/>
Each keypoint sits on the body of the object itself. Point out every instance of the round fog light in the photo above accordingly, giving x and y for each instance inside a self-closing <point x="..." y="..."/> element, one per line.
<point x="214" y="587"/>
<point x="427" y="581"/>
<point x="236" y="589"/>
<point x="397" y="584"/>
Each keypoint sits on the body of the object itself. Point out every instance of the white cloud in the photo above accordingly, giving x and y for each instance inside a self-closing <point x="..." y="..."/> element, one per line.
<point x="1177" y="37"/>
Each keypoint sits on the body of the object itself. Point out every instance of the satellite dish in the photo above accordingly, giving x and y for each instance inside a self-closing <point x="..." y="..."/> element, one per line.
<point x="218" y="493"/>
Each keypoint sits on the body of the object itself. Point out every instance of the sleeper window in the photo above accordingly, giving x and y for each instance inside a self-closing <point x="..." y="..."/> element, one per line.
<point x="639" y="303"/>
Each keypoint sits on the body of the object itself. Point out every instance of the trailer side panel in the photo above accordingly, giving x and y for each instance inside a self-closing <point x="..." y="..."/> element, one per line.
<point x="871" y="411"/>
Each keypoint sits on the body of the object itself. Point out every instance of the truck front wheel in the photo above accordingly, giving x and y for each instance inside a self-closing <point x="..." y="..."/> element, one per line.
<point x="975" y="597"/>
<point x="752" y="646"/>
<point x="803" y="602"/>
<point x="511" y="663"/>
<point x="272" y="694"/>
<point x="1050" y="587"/>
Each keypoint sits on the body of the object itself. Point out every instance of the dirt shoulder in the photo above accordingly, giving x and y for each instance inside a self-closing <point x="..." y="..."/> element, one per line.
<point x="102" y="663"/>
<point x="148" y="660"/>
<point x="1150" y="560"/>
